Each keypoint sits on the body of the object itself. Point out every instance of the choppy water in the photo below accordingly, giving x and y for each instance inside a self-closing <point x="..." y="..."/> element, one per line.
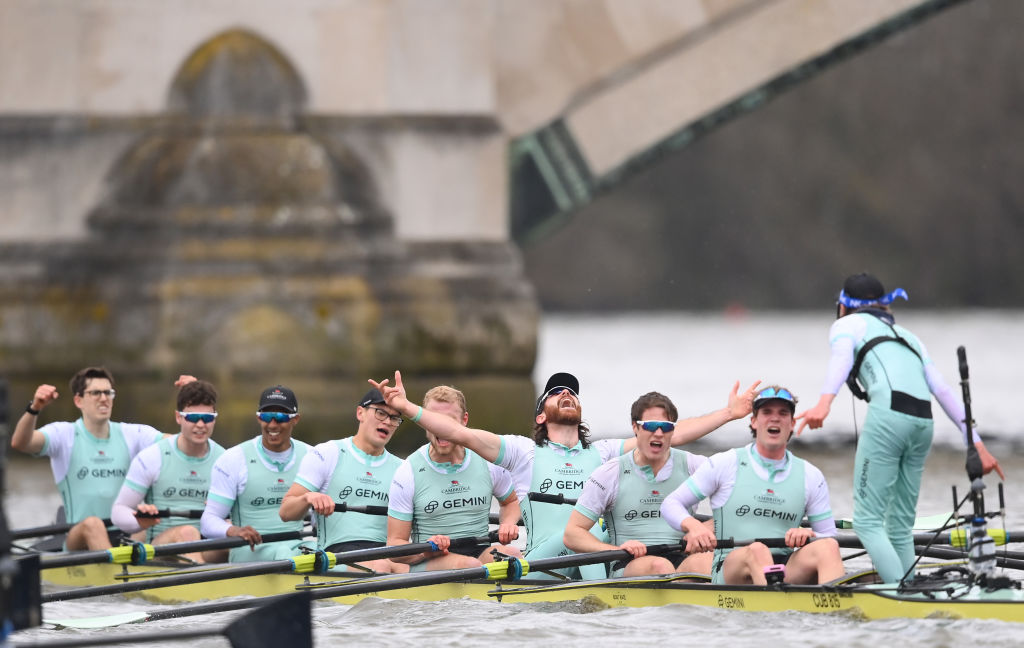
<point x="693" y="359"/>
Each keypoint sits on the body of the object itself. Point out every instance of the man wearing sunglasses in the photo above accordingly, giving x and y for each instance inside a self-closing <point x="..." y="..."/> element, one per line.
<point x="249" y="482"/>
<point x="899" y="380"/>
<point x="559" y="457"/>
<point x="444" y="490"/>
<point x="356" y="471"/>
<point x="174" y="474"/>
<point x="89" y="457"/>
<point x="761" y="491"/>
<point x="628" y="491"/>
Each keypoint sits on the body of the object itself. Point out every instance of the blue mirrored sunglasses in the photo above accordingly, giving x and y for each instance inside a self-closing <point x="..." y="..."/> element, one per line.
<point x="772" y="392"/>
<point x="651" y="426"/>
<point x="280" y="417"/>
<point x="195" y="417"/>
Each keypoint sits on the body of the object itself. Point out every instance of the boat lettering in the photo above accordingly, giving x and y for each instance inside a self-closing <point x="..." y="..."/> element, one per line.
<point x="828" y="600"/>
<point x="372" y="494"/>
<point x="466" y="501"/>
<point x="731" y="602"/>
<point x="619" y="598"/>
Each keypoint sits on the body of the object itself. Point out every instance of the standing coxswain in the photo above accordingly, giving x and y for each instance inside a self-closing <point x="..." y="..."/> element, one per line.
<point x="89" y="457"/>
<point x="174" y="474"/>
<point x="628" y="491"/>
<point x="444" y="490"/>
<point x="249" y="482"/>
<point x="560" y="456"/>
<point x="356" y="471"/>
<point x="899" y="380"/>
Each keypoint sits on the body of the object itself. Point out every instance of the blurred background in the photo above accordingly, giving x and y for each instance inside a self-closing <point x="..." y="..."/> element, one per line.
<point x="652" y="195"/>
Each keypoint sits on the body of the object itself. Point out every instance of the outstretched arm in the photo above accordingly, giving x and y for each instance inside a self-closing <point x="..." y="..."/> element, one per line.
<point x="484" y="443"/>
<point x="738" y="406"/>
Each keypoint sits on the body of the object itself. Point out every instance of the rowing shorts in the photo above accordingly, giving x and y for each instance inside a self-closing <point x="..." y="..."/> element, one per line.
<point x="619" y="566"/>
<point x="354" y="545"/>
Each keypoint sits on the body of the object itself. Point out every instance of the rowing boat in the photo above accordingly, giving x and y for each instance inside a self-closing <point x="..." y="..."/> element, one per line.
<point x="854" y="594"/>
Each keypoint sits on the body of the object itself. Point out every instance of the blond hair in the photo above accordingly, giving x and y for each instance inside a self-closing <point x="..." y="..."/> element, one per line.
<point x="446" y="394"/>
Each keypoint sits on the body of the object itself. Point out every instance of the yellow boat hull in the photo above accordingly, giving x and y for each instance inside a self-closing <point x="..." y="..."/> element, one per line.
<point x="865" y="601"/>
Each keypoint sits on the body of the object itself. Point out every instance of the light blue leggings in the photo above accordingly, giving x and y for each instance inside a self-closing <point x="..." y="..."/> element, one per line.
<point x="891" y="454"/>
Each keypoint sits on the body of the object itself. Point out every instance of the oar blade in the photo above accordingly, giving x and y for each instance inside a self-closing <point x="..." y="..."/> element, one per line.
<point x="283" y="622"/>
<point x="92" y="623"/>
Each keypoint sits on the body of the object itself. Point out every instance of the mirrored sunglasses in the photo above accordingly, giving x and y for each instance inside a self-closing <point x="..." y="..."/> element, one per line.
<point x="772" y="392"/>
<point x="279" y="417"/>
<point x="196" y="417"/>
<point x="652" y="426"/>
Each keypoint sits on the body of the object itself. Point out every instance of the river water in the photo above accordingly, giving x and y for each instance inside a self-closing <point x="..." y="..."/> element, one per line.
<point x="694" y="359"/>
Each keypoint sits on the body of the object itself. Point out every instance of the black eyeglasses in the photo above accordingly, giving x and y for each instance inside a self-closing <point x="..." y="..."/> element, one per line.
<point x="97" y="393"/>
<point x="382" y="415"/>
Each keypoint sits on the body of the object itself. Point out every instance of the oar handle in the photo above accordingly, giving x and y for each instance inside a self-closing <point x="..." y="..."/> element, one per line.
<point x="344" y="507"/>
<point x="370" y="509"/>
<point x="191" y="514"/>
<point x="551" y="499"/>
<point x="136" y="556"/>
<point x="54" y="529"/>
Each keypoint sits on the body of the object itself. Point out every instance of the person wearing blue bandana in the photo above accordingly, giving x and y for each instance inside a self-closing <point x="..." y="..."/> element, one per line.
<point x="249" y="481"/>
<point x="889" y="367"/>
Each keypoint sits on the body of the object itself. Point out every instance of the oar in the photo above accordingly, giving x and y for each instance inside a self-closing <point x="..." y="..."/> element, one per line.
<point x="551" y="499"/>
<point x="511" y="569"/>
<point x="302" y="564"/>
<point x="54" y="529"/>
<point x="370" y="509"/>
<point x="946" y="552"/>
<point x="138" y="553"/>
<point x="285" y="622"/>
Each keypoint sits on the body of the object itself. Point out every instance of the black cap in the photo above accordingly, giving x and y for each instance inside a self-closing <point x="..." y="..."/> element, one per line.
<point x="863" y="286"/>
<point x="558" y="381"/>
<point x="280" y="397"/>
<point x="371" y="397"/>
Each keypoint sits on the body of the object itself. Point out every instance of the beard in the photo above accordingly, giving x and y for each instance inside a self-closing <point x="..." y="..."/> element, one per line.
<point x="563" y="416"/>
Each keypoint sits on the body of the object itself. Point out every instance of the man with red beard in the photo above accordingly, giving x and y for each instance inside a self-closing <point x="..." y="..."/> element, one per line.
<point x="560" y="456"/>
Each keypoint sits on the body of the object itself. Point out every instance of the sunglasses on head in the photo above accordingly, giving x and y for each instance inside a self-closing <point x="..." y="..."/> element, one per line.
<point x="279" y="417"/>
<point x="653" y="426"/>
<point x="773" y="392"/>
<point x="196" y="417"/>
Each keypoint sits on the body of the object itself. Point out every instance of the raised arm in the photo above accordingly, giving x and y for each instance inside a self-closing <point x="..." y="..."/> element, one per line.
<point x="738" y="405"/>
<point x="484" y="443"/>
<point x="26" y="438"/>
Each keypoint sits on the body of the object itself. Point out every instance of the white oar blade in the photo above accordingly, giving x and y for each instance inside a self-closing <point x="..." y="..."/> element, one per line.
<point x="89" y="623"/>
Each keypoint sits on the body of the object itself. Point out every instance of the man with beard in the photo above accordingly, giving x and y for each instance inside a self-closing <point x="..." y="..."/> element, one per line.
<point x="89" y="457"/>
<point x="174" y="474"/>
<point x="250" y="479"/>
<point x="628" y="491"/>
<point x="761" y="490"/>
<point x="444" y="490"/>
<point x="356" y="471"/>
<point x="559" y="457"/>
